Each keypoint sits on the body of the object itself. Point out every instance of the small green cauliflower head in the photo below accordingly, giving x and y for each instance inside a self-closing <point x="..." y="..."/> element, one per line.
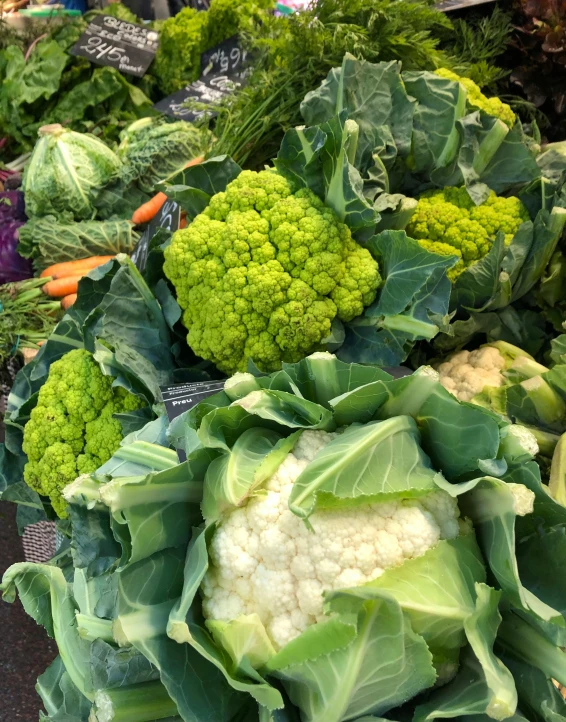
<point x="72" y="430"/>
<point x="448" y="222"/>
<point x="262" y="273"/>
<point x="478" y="101"/>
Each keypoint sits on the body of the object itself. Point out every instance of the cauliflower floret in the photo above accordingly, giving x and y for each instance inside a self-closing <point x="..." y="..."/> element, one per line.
<point x="523" y="499"/>
<point x="448" y="223"/>
<point x="263" y="272"/>
<point x="72" y="431"/>
<point x="467" y="373"/>
<point x="265" y="561"/>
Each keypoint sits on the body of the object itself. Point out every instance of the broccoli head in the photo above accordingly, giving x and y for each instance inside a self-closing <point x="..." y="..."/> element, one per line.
<point x="449" y="223"/>
<point x="262" y="273"/>
<point x="478" y="101"/>
<point x="72" y="431"/>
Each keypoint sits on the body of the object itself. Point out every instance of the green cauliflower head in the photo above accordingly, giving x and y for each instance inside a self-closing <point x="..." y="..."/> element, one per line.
<point x="72" y="431"/>
<point x="449" y="223"/>
<point x="262" y="273"/>
<point x="478" y="101"/>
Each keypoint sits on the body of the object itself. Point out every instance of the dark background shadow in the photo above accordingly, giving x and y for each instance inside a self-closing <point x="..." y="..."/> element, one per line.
<point x="25" y="649"/>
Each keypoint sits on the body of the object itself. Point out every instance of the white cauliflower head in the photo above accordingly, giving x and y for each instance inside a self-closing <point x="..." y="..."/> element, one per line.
<point x="467" y="373"/>
<point x="264" y="560"/>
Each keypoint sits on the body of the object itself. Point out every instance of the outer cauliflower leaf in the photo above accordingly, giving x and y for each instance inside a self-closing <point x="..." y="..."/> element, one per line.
<point x="477" y="100"/>
<point x="71" y="431"/>
<point x="263" y="272"/>
<point x="449" y="223"/>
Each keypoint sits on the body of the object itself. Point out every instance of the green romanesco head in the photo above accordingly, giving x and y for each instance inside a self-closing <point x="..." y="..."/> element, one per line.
<point x="263" y="272"/>
<point x="449" y="223"/>
<point x="72" y="431"/>
<point x="478" y="101"/>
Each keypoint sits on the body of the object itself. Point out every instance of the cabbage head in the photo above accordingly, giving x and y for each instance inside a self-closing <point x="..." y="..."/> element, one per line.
<point x="65" y="173"/>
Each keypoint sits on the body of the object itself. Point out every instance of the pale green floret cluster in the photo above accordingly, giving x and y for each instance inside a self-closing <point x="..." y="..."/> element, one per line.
<point x="262" y="273"/>
<point x="476" y="99"/>
<point x="72" y="431"/>
<point x="448" y="222"/>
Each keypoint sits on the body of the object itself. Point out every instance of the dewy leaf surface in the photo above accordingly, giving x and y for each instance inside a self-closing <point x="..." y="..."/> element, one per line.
<point x="381" y="460"/>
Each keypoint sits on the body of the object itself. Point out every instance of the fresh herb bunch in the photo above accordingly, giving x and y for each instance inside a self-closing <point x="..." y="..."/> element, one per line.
<point x="479" y="41"/>
<point x="27" y="316"/>
<point x="294" y="54"/>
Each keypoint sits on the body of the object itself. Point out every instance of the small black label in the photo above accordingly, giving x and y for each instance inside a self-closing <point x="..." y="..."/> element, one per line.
<point x="168" y="217"/>
<point x="224" y="69"/>
<point x="125" y="46"/>
<point x="447" y="6"/>
<point x="179" y="398"/>
<point x="198" y="4"/>
<point x="182" y="397"/>
<point x="398" y="372"/>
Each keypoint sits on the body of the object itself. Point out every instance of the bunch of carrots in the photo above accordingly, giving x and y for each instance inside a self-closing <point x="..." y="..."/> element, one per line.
<point x="65" y="277"/>
<point x="149" y="210"/>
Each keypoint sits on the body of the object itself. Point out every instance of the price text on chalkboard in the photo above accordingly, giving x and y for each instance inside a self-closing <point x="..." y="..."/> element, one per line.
<point x="179" y="398"/>
<point x="168" y="217"/>
<point x="224" y="69"/>
<point x="125" y="46"/>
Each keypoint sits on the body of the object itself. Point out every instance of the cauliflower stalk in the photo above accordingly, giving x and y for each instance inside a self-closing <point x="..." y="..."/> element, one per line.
<point x="448" y="222"/>
<point x="263" y="272"/>
<point x="72" y="430"/>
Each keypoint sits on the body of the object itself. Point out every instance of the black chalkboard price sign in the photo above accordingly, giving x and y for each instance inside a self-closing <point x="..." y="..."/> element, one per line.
<point x="224" y="69"/>
<point x="168" y="217"/>
<point x="179" y="398"/>
<point x="182" y="397"/>
<point x="125" y="46"/>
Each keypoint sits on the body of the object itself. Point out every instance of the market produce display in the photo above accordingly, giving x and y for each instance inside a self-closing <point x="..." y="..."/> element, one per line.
<point x="305" y="444"/>
<point x="41" y="84"/>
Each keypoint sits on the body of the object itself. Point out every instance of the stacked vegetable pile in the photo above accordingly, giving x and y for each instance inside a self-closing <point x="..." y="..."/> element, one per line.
<point x="347" y="524"/>
<point x="443" y="187"/>
<point x="336" y="544"/>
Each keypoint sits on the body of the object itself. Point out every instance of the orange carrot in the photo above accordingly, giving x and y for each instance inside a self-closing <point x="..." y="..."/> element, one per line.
<point x="183" y="222"/>
<point x="68" y="300"/>
<point x="62" y="286"/>
<point x="149" y="210"/>
<point x="72" y="268"/>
